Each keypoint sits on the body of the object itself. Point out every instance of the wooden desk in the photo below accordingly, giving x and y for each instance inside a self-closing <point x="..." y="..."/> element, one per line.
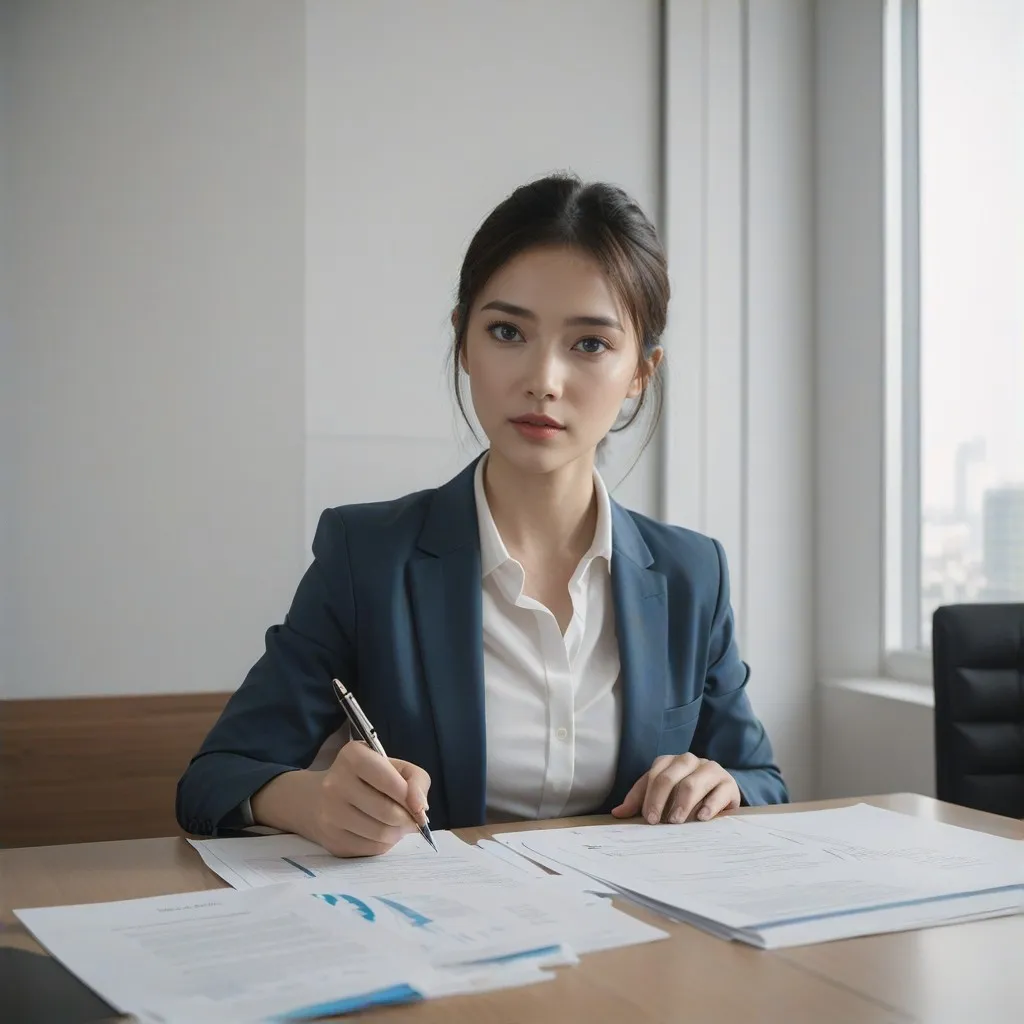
<point x="957" y="974"/>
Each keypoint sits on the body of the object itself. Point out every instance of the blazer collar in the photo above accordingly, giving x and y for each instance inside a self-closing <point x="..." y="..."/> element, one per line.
<point x="627" y="539"/>
<point x="450" y="522"/>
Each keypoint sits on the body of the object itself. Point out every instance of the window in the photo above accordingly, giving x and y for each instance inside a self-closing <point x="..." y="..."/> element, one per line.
<point x="962" y="316"/>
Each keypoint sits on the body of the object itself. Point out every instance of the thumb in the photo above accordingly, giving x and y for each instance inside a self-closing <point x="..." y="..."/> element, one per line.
<point x="630" y="806"/>
<point x="418" y="785"/>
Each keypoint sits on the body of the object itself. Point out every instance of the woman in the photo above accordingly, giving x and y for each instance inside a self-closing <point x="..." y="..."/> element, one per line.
<point x="525" y="647"/>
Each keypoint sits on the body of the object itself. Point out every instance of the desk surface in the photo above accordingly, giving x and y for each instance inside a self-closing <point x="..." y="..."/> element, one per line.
<point x="968" y="972"/>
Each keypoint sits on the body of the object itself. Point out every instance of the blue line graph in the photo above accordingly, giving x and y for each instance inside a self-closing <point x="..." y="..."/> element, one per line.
<point x="332" y="898"/>
<point x="301" y="867"/>
<point x="413" y="917"/>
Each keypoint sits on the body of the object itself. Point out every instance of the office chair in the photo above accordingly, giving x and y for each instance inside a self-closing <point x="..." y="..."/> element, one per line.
<point x="978" y="660"/>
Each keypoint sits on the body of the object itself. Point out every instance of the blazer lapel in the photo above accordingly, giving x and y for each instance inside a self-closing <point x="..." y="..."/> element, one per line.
<point x="640" y="597"/>
<point x="446" y="597"/>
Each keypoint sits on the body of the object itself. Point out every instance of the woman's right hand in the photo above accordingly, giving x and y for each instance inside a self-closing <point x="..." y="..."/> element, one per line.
<point x="365" y="803"/>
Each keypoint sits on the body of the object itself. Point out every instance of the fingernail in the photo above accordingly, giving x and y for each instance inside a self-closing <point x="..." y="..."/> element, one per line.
<point x="704" y="813"/>
<point x="652" y="818"/>
<point x="677" y="816"/>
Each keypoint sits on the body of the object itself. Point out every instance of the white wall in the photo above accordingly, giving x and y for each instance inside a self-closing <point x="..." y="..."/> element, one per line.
<point x="850" y="328"/>
<point x="878" y="736"/>
<point x="779" y="382"/>
<point x="739" y="443"/>
<point x="421" y="118"/>
<point x="156" y="488"/>
<point x="290" y="215"/>
<point x="6" y="358"/>
<point x="875" y="735"/>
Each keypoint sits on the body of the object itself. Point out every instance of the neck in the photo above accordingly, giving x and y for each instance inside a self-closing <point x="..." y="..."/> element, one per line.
<point x="549" y="516"/>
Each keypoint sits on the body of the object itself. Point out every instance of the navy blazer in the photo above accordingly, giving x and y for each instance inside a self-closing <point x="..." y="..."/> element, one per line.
<point x="391" y="605"/>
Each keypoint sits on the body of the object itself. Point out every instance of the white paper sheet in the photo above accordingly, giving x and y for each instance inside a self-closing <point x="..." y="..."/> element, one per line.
<point x="511" y="857"/>
<point x="442" y="882"/>
<point x="229" y="955"/>
<point x="536" y="863"/>
<point x="474" y="924"/>
<point x="341" y="940"/>
<point x="788" y="879"/>
<point x="867" y="833"/>
<point x="246" y="863"/>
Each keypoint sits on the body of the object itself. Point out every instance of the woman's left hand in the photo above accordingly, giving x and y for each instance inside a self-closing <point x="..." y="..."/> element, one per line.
<point x="681" y="788"/>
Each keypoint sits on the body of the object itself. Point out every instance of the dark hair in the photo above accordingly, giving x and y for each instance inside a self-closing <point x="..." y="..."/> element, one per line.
<point x="597" y="218"/>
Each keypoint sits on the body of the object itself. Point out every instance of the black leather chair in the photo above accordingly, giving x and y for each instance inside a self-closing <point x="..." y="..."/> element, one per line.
<point x="978" y="658"/>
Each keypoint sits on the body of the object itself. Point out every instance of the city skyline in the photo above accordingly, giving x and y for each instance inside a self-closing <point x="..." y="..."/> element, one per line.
<point x="971" y="303"/>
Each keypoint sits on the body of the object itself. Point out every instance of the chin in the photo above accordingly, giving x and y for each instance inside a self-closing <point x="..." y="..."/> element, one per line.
<point x="536" y="458"/>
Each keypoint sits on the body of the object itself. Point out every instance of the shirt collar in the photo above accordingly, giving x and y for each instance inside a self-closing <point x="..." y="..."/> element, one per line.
<point x="493" y="552"/>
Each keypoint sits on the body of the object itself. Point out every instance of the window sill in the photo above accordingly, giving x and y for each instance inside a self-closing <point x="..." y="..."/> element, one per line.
<point x="909" y="666"/>
<point x="901" y="690"/>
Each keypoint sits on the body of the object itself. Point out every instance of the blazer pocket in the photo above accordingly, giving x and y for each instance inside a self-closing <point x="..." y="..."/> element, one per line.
<point x="684" y="714"/>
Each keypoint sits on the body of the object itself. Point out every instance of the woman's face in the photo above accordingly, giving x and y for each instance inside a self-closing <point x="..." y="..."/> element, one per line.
<point x="551" y="357"/>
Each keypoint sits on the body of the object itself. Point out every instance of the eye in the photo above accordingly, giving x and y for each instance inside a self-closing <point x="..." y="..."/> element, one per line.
<point x="502" y="331"/>
<point x="592" y="346"/>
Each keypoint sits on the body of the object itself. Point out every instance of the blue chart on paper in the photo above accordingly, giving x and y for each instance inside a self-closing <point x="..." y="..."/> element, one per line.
<point x="414" y="917"/>
<point x="389" y="996"/>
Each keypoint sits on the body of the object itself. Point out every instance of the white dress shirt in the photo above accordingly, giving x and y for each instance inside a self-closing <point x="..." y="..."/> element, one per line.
<point x="553" y="703"/>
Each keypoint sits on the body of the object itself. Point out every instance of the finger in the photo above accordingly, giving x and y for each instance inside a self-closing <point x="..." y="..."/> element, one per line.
<point x="374" y="804"/>
<point x="722" y="798"/>
<point x="664" y="779"/>
<point x="348" y="844"/>
<point x="633" y="800"/>
<point x="688" y="794"/>
<point x="418" y="786"/>
<point x="373" y="829"/>
<point x="378" y="772"/>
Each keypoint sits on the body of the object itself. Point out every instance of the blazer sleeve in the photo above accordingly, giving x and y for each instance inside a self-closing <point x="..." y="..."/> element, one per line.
<point x="285" y="708"/>
<point x="727" y="730"/>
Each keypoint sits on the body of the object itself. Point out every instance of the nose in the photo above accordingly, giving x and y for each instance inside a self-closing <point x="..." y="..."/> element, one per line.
<point x="544" y="376"/>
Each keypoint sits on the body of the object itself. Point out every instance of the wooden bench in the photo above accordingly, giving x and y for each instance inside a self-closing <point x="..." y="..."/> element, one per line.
<point x="82" y="769"/>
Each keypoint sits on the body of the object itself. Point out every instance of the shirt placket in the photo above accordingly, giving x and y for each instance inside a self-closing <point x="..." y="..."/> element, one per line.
<point x="561" y="735"/>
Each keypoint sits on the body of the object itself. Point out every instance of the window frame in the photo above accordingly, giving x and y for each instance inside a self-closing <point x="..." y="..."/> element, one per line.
<point x="906" y="653"/>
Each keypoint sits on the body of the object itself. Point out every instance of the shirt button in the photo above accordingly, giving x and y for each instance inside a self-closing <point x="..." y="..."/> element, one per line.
<point x="562" y="733"/>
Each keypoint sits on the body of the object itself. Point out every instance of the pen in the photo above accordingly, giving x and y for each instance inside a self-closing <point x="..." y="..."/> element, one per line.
<point x="368" y="735"/>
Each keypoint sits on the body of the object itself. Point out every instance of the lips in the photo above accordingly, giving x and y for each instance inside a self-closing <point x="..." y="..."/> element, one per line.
<point x="539" y="421"/>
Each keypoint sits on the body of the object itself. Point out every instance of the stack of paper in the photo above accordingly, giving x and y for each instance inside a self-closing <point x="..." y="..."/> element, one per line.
<point x="304" y="934"/>
<point x="791" y="879"/>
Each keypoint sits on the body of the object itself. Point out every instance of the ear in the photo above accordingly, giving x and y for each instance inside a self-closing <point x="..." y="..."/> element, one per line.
<point x="462" y="353"/>
<point x="645" y="370"/>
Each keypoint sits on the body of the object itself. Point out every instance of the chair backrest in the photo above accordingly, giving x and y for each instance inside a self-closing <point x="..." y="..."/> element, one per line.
<point x="978" y="658"/>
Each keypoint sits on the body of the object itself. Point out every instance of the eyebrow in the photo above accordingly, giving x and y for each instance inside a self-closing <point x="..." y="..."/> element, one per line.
<point x="572" y="321"/>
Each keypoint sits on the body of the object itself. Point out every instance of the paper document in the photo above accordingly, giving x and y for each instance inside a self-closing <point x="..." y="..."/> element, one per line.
<point x="508" y="856"/>
<point x="458" y="883"/>
<point x="341" y="936"/>
<point x="777" y="880"/>
<point x="534" y="864"/>
<point x="231" y="956"/>
<point x="474" y="924"/>
<point x="247" y="863"/>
